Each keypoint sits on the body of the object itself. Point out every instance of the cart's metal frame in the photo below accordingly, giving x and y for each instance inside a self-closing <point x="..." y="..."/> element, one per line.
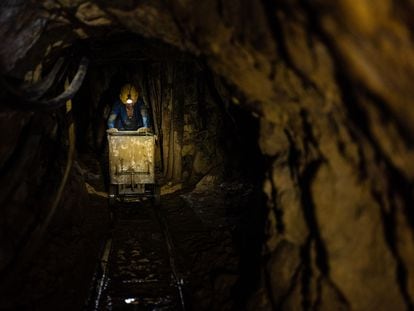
<point x="132" y="166"/>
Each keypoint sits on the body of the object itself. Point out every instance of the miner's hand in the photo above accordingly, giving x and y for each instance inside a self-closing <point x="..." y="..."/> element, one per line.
<point x="144" y="130"/>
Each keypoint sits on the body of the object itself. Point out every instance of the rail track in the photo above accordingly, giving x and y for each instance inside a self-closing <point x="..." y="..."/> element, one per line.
<point x="184" y="255"/>
<point x="137" y="269"/>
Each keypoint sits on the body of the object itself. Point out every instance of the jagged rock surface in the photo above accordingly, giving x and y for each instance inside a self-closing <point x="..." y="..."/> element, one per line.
<point x="331" y="84"/>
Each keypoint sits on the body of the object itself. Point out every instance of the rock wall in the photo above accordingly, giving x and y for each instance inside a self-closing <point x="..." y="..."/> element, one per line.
<point x="24" y="144"/>
<point x="33" y="153"/>
<point x="331" y="83"/>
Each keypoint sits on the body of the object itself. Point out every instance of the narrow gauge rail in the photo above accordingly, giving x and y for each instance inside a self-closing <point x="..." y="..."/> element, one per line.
<point x="137" y="269"/>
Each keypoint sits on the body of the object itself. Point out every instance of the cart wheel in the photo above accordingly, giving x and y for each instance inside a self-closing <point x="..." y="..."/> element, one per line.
<point x="157" y="195"/>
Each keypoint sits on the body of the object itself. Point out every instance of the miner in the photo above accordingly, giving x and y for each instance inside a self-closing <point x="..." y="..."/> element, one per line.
<point x="129" y="112"/>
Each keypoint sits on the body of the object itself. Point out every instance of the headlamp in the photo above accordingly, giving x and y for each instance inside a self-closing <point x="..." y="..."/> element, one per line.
<point x="129" y="100"/>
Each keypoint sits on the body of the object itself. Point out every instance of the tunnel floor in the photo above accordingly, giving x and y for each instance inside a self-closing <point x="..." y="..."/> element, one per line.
<point x="184" y="254"/>
<point x="168" y="258"/>
<point x="189" y="253"/>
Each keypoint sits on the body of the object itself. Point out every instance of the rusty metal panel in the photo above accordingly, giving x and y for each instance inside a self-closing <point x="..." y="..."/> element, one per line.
<point x="131" y="158"/>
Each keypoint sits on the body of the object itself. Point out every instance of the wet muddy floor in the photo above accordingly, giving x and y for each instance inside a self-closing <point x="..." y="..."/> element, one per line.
<point x="181" y="255"/>
<point x="199" y="250"/>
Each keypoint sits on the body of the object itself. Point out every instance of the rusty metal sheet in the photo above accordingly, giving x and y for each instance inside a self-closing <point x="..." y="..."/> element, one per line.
<point x="131" y="158"/>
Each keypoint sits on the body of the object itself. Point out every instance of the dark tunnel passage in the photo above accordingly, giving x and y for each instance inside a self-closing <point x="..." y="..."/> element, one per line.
<point x="206" y="151"/>
<point x="275" y="173"/>
<point x="206" y="160"/>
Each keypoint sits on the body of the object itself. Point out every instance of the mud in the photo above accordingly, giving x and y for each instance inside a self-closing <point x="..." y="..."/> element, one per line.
<point x="186" y="248"/>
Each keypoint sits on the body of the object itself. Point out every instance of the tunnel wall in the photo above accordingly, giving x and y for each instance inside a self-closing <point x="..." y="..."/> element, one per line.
<point x="331" y="83"/>
<point x="23" y="146"/>
<point x="50" y="233"/>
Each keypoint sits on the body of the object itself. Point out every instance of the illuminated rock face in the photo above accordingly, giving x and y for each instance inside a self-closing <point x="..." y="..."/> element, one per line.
<point x="332" y="86"/>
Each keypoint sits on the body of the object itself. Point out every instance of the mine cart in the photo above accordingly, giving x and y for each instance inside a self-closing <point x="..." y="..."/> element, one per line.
<point x="132" y="166"/>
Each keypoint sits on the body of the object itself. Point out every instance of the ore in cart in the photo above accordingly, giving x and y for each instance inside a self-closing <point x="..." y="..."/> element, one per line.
<point x="132" y="166"/>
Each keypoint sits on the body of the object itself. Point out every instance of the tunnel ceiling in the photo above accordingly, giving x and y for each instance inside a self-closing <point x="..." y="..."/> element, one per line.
<point x="236" y="37"/>
<point x="253" y="46"/>
<point x="128" y="48"/>
<point x="332" y="86"/>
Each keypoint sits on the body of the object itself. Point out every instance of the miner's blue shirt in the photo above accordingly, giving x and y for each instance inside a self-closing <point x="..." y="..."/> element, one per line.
<point x="119" y="117"/>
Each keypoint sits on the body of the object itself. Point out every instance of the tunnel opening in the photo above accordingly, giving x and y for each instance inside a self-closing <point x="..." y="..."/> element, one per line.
<point x="215" y="152"/>
<point x="207" y="111"/>
<point x="207" y="155"/>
